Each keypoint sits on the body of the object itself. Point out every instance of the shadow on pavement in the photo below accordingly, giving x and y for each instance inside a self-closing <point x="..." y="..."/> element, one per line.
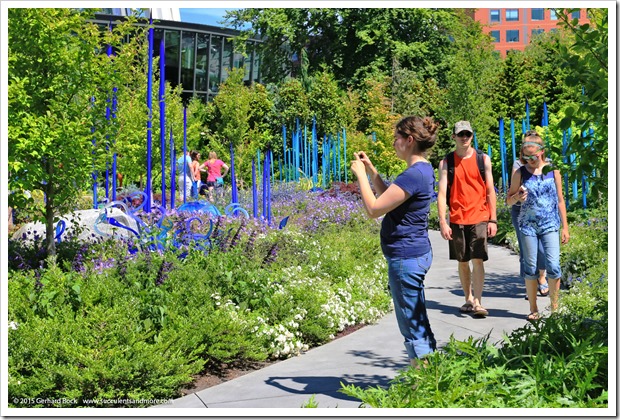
<point x="454" y="310"/>
<point x="326" y="385"/>
<point x="380" y="361"/>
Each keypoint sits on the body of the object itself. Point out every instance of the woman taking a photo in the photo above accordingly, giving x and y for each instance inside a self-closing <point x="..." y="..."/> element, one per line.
<point x="404" y="230"/>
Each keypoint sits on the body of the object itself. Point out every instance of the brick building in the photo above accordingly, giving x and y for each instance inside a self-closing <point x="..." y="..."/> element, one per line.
<point x="513" y="28"/>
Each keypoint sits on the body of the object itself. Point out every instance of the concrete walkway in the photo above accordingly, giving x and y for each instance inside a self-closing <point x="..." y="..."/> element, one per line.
<point x="374" y="354"/>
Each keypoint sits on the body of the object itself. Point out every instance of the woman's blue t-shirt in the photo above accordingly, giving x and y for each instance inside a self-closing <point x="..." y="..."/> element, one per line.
<point x="404" y="230"/>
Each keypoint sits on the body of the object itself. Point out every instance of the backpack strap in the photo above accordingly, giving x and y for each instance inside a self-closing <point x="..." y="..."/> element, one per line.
<point x="450" y="162"/>
<point x="480" y="160"/>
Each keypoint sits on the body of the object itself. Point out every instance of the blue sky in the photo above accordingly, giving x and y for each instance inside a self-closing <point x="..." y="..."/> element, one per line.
<point x="204" y="16"/>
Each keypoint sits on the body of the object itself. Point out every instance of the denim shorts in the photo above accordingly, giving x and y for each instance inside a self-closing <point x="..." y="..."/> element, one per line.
<point x="406" y="277"/>
<point x="551" y="247"/>
<point x="540" y="258"/>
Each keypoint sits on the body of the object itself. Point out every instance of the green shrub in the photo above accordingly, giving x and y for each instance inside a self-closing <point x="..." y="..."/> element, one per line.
<point x="586" y="254"/>
<point x="554" y="363"/>
<point x="98" y="351"/>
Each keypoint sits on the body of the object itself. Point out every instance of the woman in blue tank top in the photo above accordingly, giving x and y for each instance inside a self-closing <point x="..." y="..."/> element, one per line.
<point x="404" y="230"/>
<point x="543" y="213"/>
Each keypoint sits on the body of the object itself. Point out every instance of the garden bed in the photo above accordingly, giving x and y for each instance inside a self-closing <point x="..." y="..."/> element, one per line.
<point x="145" y="320"/>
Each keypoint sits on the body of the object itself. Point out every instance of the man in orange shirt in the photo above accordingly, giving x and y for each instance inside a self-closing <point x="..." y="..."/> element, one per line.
<point x="473" y="214"/>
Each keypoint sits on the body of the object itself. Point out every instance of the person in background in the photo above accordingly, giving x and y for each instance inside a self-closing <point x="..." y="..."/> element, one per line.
<point x="543" y="286"/>
<point x="119" y="175"/>
<point x="195" y="169"/>
<point x="404" y="230"/>
<point x="473" y="213"/>
<point x="10" y="219"/>
<point x="215" y="178"/>
<point x="184" y="175"/>
<point x="538" y="187"/>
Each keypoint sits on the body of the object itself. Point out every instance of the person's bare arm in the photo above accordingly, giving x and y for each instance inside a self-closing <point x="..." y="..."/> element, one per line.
<point x="375" y="207"/>
<point x="561" y="206"/>
<point x="444" y="227"/>
<point x="491" y="197"/>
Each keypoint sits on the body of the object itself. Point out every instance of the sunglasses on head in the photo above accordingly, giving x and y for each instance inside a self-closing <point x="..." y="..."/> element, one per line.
<point x="464" y="134"/>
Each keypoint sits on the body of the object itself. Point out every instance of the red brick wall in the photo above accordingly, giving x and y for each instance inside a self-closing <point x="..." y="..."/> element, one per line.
<point x="524" y="25"/>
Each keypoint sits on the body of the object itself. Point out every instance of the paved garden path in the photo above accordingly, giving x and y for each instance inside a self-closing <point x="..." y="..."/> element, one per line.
<point x="374" y="354"/>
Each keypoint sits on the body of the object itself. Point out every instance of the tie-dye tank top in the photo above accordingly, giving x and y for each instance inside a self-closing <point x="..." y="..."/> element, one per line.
<point x="539" y="213"/>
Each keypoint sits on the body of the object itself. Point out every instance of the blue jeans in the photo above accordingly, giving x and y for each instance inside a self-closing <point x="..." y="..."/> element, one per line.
<point x="540" y="259"/>
<point x="551" y="245"/>
<point x="406" y="279"/>
<point x="194" y="189"/>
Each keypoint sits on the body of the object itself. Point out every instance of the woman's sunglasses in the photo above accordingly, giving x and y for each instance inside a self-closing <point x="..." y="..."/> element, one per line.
<point x="533" y="157"/>
<point x="464" y="134"/>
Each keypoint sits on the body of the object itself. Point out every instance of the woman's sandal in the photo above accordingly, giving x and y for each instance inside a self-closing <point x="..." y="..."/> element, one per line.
<point x="479" y="312"/>
<point x="467" y="308"/>
<point x="533" y="316"/>
<point x="543" y="289"/>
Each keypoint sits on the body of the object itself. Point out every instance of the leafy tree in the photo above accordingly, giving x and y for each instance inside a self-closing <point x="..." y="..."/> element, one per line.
<point x="377" y="122"/>
<point x="326" y="104"/>
<point x="376" y="39"/>
<point x="232" y="121"/>
<point x="533" y="75"/>
<point x="234" y="110"/>
<point x="413" y="95"/>
<point x="265" y="132"/>
<point x="544" y="78"/>
<point x="472" y="75"/>
<point x="510" y="101"/>
<point x="586" y="61"/>
<point x="291" y="103"/>
<point x="57" y="63"/>
<point x="353" y="43"/>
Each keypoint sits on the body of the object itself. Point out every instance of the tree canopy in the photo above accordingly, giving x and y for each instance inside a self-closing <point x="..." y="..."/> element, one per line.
<point x="353" y="43"/>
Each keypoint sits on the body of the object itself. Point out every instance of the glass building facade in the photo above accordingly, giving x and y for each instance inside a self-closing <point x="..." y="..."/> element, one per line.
<point x="198" y="57"/>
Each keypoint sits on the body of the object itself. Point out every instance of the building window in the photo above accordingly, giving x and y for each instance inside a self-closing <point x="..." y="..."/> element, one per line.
<point x="202" y="54"/>
<point x="576" y="15"/>
<point x="553" y="15"/>
<point x="247" y="62"/>
<point x="537" y="31"/>
<point x="172" y="45"/>
<point x="512" y="15"/>
<point x="188" y="54"/>
<point x="495" y="15"/>
<point x="227" y="63"/>
<point x="495" y="36"/>
<point x="215" y="58"/>
<point x="538" y="14"/>
<point x="256" y="66"/>
<point x="512" y="35"/>
<point x="238" y="61"/>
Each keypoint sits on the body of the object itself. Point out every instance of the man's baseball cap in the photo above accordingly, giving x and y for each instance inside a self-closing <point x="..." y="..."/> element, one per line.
<point x="462" y="126"/>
